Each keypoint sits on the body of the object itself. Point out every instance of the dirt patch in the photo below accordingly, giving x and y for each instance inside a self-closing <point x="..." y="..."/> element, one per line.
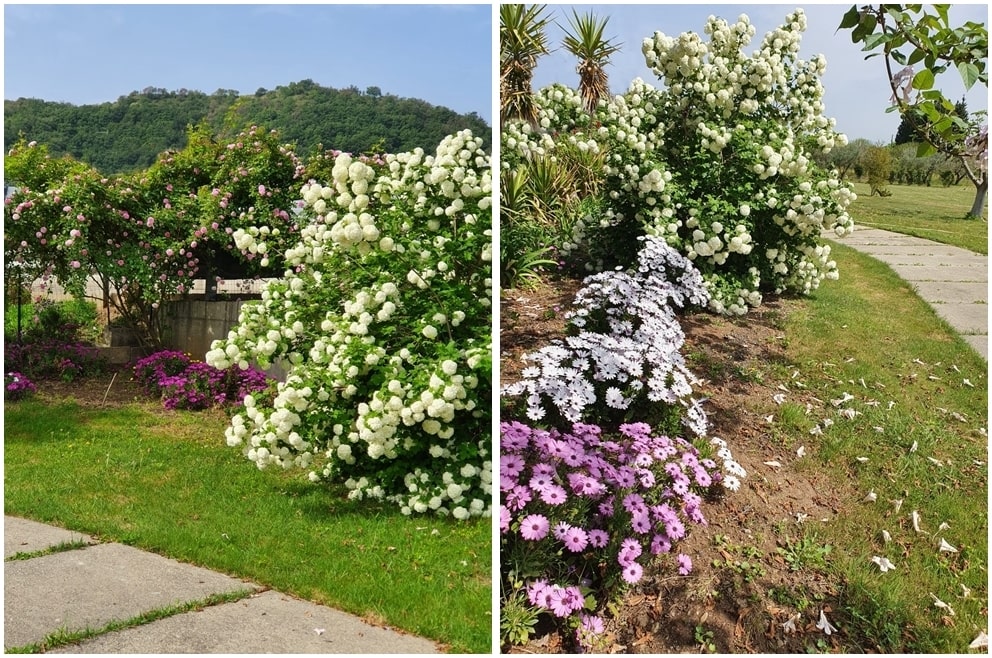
<point x="742" y="588"/>
<point x="113" y="388"/>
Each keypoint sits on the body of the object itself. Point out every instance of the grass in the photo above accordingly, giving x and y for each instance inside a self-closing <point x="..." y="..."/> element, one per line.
<point x="63" y="637"/>
<point x="165" y="482"/>
<point x="870" y="327"/>
<point x="935" y="213"/>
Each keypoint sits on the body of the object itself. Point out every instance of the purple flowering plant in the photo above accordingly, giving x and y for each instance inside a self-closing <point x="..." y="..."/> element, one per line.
<point x="17" y="386"/>
<point x="594" y="493"/>
<point x="186" y="384"/>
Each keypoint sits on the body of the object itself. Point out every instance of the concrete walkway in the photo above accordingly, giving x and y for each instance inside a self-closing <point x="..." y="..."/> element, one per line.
<point x="954" y="281"/>
<point x="91" y="586"/>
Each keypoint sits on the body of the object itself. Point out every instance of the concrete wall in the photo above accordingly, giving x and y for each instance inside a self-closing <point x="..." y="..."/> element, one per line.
<point x="190" y="325"/>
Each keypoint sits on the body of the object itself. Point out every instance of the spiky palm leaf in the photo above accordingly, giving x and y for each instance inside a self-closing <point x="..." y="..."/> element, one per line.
<point x="585" y="41"/>
<point x="522" y="40"/>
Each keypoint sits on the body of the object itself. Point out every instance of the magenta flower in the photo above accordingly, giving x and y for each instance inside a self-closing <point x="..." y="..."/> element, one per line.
<point x="685" y="564"/>
<point x="504" y="518"/>
<point x="632" y="572"/>
<point x="534" y="527"/>
<point x="576" y="539"/>
<point x="554" y="495"/>
<point x="598" y="538"/>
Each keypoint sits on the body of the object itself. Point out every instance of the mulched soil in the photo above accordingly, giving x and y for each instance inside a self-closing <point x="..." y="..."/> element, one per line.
<point x="661" y="614"/>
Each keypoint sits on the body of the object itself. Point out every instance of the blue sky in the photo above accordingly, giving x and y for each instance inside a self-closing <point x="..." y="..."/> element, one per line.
<point x="857" y="92"/>
<point x="87" y="54"/>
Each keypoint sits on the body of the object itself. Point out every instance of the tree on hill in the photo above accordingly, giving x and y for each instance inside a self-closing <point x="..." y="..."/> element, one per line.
<point x="127" y="135"/>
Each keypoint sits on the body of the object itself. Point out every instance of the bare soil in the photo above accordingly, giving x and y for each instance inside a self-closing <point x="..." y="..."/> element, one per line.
<point x="113" y="388"/>
<point x="736" y="608"/>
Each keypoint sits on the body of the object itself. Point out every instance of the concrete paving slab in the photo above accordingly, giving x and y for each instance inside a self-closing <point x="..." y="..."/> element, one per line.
<point x="24" y="536"/>
<point x="269" y="622"/>
<point x="954" y="292"/>
<point x="952" y="280"/>
<point x="967" y="319"/>
<point x="939" y="272"/>
<point x="980" y="342"/>
<point x="87" y="588"/>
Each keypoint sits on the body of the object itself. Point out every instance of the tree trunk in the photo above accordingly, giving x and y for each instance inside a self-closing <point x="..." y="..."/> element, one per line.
<point x="979" y="206"/>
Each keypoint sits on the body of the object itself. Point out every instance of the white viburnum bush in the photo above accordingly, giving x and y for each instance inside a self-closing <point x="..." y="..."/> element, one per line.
<point x="383" y="315"/>
<point x="718" y="163"/>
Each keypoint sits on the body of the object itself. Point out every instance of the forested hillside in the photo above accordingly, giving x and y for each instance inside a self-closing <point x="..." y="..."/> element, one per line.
<point x="126" y="134"/>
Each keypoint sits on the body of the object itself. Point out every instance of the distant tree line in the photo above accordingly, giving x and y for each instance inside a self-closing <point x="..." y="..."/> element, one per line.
<point x="126" y="135"/>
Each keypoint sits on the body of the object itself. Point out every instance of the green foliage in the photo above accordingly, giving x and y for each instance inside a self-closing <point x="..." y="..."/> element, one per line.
<point x="877" y="164"/>
<point x="804" y="553"/>
<point x="128" y="134"/>
<point x="522" y="40"/>
<point x="517" y="618"/>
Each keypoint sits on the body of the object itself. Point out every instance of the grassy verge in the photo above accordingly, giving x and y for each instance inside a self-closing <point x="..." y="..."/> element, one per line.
<point x="165" y="482"/>
<point x="935" y="213"/>
<point x="64" y="637"/>
<point x="925" y="443"/>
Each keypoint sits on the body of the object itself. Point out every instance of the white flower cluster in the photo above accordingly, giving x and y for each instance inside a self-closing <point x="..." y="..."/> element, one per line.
<point x="636" y="354"/>
<point x="383" y="317"/>
<point x="720" y="155"/>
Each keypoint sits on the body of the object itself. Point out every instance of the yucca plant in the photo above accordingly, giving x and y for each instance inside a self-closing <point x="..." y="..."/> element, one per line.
<point x="585" y="40"/>
<point x="522" y="40"/>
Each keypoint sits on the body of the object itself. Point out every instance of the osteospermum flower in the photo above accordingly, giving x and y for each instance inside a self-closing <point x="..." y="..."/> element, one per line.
<point x="575" y="539"/>
<point x="534" y="527"/>
<point x="632" y="572"/>
<point x="685" y="564"/>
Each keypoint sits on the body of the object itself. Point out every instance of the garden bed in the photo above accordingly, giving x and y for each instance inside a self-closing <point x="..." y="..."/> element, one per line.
<point x="736" y="607"/>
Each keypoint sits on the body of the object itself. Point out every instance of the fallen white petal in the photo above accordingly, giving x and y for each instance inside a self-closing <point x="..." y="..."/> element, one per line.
<point x="913" y="447"/>
<point x="842" y="399"/>
<point x="782" y="387"/>
<point x="862" y="381"/>
<point x="933" y="378"/>
<point x="967" y="382"/>
<point x="862" y="459"/>
<point x="827" y="422"/>
<point x="824" y="624"/>
<point x="956" y="369"/>
<point x="980" y="642"/>
<point x="319" y="631"/>
<point x="958" y="417"/>
<point x="891" y="404"/>
<point x="769" y="419"/>
<point x="779" y="398"/>
<point x="886" y="537"/>
<point x="943" y="526"/>
<point x="879" y="429"/>
<point x="883" y="563"/>
<point x="940" y="604"/>
<point x="918" y="362"/>
<point x="945" y="547"/>
<point x="935" y="461"/>
<point x="773" y="464"/>
<point x="916" y="520"/>
<point x="848" y="413"/>
<point x="816" y="431"/>
<point x="801" y="451"/>
<point x="801" y="518"/>
<point x="965" y="590"/>
<point x="897" y="504"/>
<point x="871" y="497"/>
<point x="790" y="625"/>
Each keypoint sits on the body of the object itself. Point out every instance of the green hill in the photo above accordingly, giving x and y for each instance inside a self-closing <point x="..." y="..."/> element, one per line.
<point x="127" y="134"/>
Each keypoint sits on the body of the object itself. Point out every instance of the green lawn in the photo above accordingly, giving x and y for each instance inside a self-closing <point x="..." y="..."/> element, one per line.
<point x="935" y="213"/>
<point x="869" y="335"/>
<point x="166" y="482"/>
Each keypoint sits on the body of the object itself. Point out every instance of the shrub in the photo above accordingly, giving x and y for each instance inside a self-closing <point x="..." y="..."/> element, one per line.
<point x="384" y="315"/>
<point x="718" y="163"/>
<point x="17" y="386"/>
<point x="185" y="384"/>
<point x="51" y="358"/>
